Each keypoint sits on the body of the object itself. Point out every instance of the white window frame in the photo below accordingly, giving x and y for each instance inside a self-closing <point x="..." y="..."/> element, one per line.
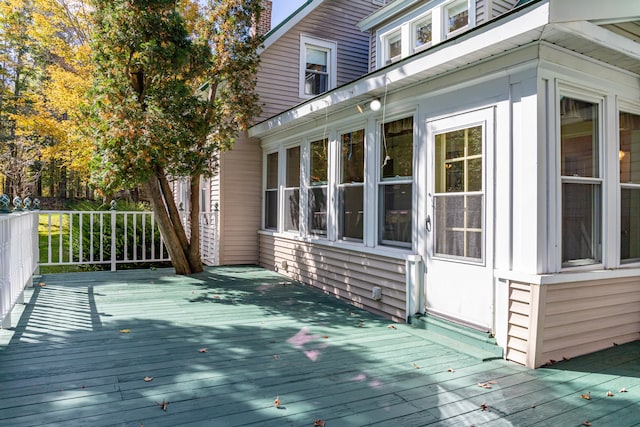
<point x="266" y="189"/>
<point x="445" y="17"/>
<point x="283" y="203"/>
<point x="414" y="27"/>
<point x="332" y="59"/>
<point x="342" y="185"/>
<point x="387" y="39"/>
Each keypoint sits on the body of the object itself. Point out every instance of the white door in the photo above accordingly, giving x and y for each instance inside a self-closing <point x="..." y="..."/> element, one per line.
<point x="459" y="248"/>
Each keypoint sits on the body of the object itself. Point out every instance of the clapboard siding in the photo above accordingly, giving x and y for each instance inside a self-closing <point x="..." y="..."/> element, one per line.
<point x="584" y="317"/>
<point x="519" y="322"/>
<point x="348" y="275"/>
<point x="240" y="208"/>
<point x="498" y="7"/>
<point x="336" y="21"/>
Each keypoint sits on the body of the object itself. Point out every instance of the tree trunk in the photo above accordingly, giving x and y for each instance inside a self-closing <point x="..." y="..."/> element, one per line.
<point x="172" y="242"/>
<point x="193" y="254"/>
<point x="172" y="210"/>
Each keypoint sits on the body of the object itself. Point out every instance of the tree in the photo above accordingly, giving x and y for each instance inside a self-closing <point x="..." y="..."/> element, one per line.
<point x="173" y="85"/>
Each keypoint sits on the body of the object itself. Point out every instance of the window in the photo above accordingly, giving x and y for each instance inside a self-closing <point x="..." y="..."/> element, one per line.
<point x="581" y="182"/>
<point x="318" y="180"/>
<point x="351" y="187"/>
<point x="317" y="66"/>
<point x="395" y="186"/>
<point x="392" y="46"/>
<point x="459" y="197"/>
<point x="456" y="16"/>
<point x="271" y="193"/>
<point x="422" y="33"/>
<point x="629" y="156"/>
<point x="292" y="190"/>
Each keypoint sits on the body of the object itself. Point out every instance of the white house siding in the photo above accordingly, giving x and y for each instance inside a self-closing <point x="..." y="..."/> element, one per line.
<point x="240" y="202"/>
<point x="334" y="21"/>
<point x="347" y="274"/>
<point x="548" y="323"/>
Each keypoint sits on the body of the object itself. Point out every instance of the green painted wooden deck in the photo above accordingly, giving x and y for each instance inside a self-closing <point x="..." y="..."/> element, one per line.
<point x="223" y="345"/>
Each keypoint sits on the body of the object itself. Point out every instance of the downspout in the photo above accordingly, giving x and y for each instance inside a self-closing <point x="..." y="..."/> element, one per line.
<point x="414" y="285"/>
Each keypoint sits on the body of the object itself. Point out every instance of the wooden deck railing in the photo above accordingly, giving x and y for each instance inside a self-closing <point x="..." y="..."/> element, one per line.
<point x="18" y="259"/>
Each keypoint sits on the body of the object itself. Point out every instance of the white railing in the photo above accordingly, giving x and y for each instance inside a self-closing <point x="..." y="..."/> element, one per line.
<point x="18" y="259"/>
<point x="113" y="238"/>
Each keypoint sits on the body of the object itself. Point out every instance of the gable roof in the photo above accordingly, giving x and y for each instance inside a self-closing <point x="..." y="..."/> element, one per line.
<point x="284" y="26"/>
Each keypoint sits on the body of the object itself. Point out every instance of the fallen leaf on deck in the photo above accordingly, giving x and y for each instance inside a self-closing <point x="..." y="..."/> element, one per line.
<point x="276" y="357"/>
<point x="164" y="405"/>
<point x="623" y="390"/>
<point x="318" y="423"/>
<point x="533" y="406"/>
<point x="415" y="365"/>
<point x="125" y="331"/>
<point x="484" y="385"/>
<point x="42" y="284"/>
<point x="203" y="350"/>
<point x="492" y="382"/>
<point x="277" y="402"/>
<point x="586" y="396"/>
<point x="216" y="297"/>
<point x="586" y="423"/>
<point x="392" y="327"/>
<point x="484" y="406"/>
<point x="609" y="394"/>
<point x="325" y="337"/>
<point x="451" y="370"/>
<point x="148" y="379"/>
<point x="83" y="387"/>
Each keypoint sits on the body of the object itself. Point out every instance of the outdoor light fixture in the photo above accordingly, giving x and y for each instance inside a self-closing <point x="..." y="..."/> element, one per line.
<point x="375" y="105"/>
<point x="360" y="108"/>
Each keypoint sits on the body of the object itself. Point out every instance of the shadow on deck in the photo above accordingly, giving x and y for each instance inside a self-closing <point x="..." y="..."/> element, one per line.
<point x="223" y="345"/>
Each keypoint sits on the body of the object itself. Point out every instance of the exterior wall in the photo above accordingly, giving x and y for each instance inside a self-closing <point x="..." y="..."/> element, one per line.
<point x="280" y="62"/>
<point x="240" y="202"/>
<point x="349" y="275"/>
<point x="548" y="323"/>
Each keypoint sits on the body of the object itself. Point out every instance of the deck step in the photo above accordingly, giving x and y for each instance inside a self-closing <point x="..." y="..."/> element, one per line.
<point x="463" y="338"/>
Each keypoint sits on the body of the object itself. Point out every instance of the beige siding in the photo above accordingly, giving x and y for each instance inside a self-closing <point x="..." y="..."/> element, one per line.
<point x="334" y="21"/>
<point x="552" y="322"/>
<point x="240" y="202"/>
<point x="349" y="275"/>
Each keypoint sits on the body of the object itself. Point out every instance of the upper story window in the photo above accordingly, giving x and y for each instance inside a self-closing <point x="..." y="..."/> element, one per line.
<point x="422" y="30"/>
<point x="317" y="66"/>
<point x="393" y="47"/>
<point x="456" y="16"/>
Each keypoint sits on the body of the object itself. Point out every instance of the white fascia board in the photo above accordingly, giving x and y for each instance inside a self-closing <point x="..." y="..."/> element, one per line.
<point x="601" y="36"/>
<point x="289" y="23"/>
<point x="593" y="10"/>
<point x="375" y="83"/>
<point x="381" y="15"/>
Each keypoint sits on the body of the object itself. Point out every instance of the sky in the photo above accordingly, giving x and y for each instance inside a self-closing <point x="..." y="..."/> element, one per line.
<point x="283" y="8"/>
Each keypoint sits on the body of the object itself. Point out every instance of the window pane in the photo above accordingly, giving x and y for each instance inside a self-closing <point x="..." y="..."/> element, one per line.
<point x="458" y="221"/>
<point x="271" y="209"/>
<point x="396" y="213"/>
<point x="629" y="148"/>
<point x="581" y="228"/>
<point x="458" y="14"/>
<point x="579" y="136"/>
<point x="353" y="157"/>
<point x="318" y="210"/>
<point x="474" y="175"/>
<point x="319" y="162"/>
<point x="293" y="167"/>
<point x="630" y="225"/>
<point x="292" y="209"/>
<point x="315" y="83"/>
<point x="423" y="32"/>
<point x="351" y="215"/>
<point x="316" y="59"/>
<point x="394" y="46"/>
<point x="397" y="149"/>
<point x="272" y="170"/>
<point x="458" y="161"/>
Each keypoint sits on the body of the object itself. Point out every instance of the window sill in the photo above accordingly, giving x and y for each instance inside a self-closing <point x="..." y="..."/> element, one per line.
<point x="568" y="277"/>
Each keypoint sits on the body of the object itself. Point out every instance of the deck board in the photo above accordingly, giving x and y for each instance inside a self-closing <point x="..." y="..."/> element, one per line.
<point x="68" y="363"/>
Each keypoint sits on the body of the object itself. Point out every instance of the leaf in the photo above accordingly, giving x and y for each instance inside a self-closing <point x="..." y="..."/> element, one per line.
<point x="148" y="379"/>
<point x="325" y="337"/>
<point x="318" y="423"/>
<point x="41" y="284"/>
<point x="164" y="405"/>
<point x="125" y="331"/>
<point x="451" y="370"/>
<point x="623" y="390"/>
<point x="415" y="365"/>
<point x="276" y="357"/>
<point x="277" y="402"/>
<point x="609" y="393"/>
<point x="392" y="327"/>
<point x="586" y="396"/>
<point x="586" y="423"/>
<point x="484" y="406"/>
<point x="484" y="385"/>
<point x="203" y="350"/>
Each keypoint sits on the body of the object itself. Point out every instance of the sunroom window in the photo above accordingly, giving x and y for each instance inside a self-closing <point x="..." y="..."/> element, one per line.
<point x="581" y="182"/>
<point x="459" y="196"/>
<point x="395" y="186"/>
<point x="629" y="156"/>
<point x="271" y="193"/>
<point x="351" y="187"/>
<point x="292" y="190"/>
<point x="456" y="15"/>
<point x="318" y="180"/>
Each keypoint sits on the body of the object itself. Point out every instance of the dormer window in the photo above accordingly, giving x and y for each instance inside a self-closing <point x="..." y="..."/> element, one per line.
<point x="393" y="47"/>
<point x="317" y="66"/>
<point x="456" y="16"/>
<point x="422" y="32"/>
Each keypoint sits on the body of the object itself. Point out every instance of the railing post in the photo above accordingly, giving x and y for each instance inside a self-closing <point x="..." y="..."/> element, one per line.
<point x="113" y="235"/>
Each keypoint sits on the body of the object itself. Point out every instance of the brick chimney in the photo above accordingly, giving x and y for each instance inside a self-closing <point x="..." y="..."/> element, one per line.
<point x="264" y="24"/>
